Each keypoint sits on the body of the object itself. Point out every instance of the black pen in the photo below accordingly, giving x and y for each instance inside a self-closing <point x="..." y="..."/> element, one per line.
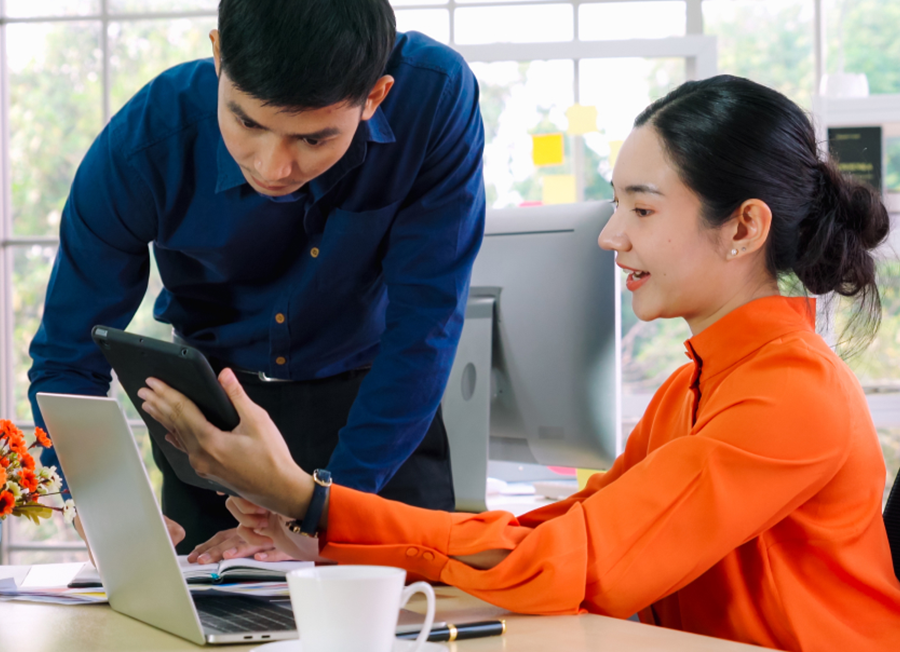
<point x="449" y="633"/>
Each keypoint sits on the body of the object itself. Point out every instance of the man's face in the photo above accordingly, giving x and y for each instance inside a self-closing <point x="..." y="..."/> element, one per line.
<point x="280" y="151"/>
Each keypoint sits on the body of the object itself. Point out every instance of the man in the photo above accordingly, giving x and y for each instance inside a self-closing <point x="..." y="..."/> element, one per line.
<point x="314" y="200"/>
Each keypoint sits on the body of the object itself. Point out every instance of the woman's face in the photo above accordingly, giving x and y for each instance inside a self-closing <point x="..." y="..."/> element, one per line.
<point x="677" y="266"/>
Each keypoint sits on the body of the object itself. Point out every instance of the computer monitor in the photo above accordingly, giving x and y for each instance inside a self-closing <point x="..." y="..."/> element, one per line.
<point x="537" y="375"/>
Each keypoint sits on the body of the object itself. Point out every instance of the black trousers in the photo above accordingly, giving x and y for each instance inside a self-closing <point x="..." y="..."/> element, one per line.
<point x="310" y="414"/>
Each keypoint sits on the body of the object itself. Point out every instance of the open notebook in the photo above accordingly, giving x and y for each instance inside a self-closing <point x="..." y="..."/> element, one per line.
<point x="226" y="571"/>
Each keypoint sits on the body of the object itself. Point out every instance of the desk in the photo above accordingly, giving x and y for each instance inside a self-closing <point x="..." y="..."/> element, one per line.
<point x="97" y="628"/>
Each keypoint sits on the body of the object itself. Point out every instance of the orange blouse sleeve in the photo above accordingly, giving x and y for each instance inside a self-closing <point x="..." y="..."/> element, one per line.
<point x="636" y="448"/>
<point x="772" y="437"/>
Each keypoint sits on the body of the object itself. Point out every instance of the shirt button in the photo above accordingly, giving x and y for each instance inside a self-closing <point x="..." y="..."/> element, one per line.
<point x="279" y="318"/>
<point x="412" y="552"/>
<point x="280" y="360"/>
<point x="314" y="252"/>
<point x="428" y="556"/>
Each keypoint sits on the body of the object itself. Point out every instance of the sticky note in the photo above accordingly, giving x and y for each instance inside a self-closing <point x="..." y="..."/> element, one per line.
<point x="582" y="119"/>
<point x="559" y="189"/>
<point x="583" y="476"/>
<point x="547" y="149"/>
<point x="614" y="147"/>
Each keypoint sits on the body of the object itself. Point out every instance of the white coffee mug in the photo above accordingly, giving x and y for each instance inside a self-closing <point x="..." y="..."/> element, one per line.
<point x="353" y="608"/>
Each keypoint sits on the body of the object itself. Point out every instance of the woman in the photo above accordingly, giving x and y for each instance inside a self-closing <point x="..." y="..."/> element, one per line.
<point x="747" y="504"/>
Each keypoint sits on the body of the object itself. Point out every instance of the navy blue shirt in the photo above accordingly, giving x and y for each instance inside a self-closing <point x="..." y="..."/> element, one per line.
<point x="369" y="263"/>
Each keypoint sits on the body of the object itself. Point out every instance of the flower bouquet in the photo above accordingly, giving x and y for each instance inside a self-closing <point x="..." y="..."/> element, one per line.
<point x="23" y="482"/>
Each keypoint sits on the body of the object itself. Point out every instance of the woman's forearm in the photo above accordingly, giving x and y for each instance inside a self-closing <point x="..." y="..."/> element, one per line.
<point x="484" y="560"/>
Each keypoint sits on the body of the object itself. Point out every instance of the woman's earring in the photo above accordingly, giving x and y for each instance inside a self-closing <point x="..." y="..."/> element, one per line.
<point x="734" y="252"/>
<point x="743" y="248"/>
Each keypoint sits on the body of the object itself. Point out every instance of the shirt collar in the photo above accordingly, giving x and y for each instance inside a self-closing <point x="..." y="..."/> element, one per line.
<point x="379" y="129"/>
<point x="374" y="130"/>
<point x="230" y="175"/>
<point x="747" y="329"/>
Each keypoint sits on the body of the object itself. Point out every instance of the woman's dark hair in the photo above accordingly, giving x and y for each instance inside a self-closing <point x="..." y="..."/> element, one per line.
<point x="306" y="54"/>
<point x="731" y="139"/>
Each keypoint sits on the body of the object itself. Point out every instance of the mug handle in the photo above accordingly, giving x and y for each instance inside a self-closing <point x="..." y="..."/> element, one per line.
<point x="410" y="591"/>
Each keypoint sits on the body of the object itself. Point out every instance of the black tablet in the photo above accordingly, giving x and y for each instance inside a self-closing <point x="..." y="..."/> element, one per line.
<point x="136" y="358"/>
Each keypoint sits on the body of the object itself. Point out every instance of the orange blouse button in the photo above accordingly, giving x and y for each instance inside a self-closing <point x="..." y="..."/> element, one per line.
<point x="280" y="360"/>
<point x="412" y="552"/>
<point x="314" y="252"/>
<point x="279" y="318"/>
<point x="428" y="556"/>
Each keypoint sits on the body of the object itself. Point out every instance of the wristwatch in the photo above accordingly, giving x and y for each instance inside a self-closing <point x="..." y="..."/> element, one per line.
<point x="309" y="525"/>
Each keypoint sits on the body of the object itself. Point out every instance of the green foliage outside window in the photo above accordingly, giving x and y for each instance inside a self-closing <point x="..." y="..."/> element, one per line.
<point x="862" y="37"/>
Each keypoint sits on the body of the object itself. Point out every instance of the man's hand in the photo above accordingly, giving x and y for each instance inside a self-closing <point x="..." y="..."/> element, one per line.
<point x="253" y="460"/>
<point x="176" y="533"/>
<point x="228" y="544"/>
<point x="259" y="526"/>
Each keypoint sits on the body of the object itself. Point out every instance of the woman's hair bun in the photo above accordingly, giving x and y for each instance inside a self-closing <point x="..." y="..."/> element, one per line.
<point x="846" y="220"/>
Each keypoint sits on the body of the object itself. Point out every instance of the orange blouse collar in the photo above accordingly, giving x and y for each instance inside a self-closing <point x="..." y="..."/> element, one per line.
<point x="748" y="328"/>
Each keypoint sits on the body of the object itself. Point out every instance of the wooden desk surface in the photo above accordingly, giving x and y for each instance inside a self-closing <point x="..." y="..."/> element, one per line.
<point x="97" y="628"/>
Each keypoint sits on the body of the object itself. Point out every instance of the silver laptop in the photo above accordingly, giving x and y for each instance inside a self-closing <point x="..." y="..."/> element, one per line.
<point x="128" y="538"/>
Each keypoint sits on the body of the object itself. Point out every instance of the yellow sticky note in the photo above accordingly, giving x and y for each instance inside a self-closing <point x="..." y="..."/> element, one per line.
<point x="559" y="189"/>
<point x="547" y="149"/>
<point x="582" y="119"/>
<point x="614" y="147"/>
<point x="583" y="476"/>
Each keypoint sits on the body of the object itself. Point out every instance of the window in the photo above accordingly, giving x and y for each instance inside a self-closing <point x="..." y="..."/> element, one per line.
<point x="70" y="64"/>
<point x="861" y="38"/>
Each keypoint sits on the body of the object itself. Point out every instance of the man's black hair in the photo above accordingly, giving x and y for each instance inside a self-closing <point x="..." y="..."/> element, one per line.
<point x="306" y="54"/>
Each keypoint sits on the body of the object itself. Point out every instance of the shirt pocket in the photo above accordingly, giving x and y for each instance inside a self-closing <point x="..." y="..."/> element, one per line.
<point x="353" y="246"/>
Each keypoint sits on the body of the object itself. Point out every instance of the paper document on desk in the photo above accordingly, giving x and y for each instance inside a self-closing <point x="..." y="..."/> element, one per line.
<point x="226" y="571"/>
<point x="62" y="595"/>
<point x="46" y="576"/>
<point x="9" y="590"/>
<point x="51" y="583"/>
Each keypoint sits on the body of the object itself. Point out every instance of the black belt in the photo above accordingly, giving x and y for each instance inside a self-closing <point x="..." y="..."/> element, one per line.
<point x="261" y="375"/>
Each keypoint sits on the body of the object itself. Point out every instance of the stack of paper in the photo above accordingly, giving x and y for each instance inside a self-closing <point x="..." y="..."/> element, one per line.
<point x="80" y="583"/>
<point x="56" y="593"/>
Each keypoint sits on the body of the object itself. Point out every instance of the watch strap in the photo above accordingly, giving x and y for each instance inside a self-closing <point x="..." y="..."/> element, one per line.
<point x="309" y="525"/>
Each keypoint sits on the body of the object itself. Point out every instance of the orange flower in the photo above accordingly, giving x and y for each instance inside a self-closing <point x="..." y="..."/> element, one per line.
<point x="7" y="503"/>
<point x="2" y="476"/>
<point x="6" y="428"/>
<point x="17" y="441"/>
<point x="26" y="461"/>
<point x="9" y="431"/>
<point x="42" y="437"/>
<point x="4" y="462"/>
<point x="28" y="480"/>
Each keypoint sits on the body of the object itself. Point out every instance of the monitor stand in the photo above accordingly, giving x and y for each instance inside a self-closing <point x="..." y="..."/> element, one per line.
<point x="467" y="406"/>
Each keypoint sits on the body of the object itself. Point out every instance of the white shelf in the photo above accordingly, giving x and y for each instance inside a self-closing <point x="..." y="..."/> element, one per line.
<point x="876" y="110"/>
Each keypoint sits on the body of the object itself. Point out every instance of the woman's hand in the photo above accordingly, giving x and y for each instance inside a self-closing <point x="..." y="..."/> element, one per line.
<point x="228" y="544"/>
<point x="261" y="527"/>
<point x="253" y="460"/>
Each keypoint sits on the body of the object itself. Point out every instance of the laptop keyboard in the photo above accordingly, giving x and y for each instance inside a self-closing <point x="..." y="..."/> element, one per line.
<point x="236" y="614"/>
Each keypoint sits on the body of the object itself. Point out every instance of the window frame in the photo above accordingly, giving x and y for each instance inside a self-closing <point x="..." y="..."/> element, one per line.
<point x="698" y="50"/>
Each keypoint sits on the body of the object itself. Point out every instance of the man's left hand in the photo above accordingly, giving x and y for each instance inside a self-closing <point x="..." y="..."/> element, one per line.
<point x="253" y="460"/>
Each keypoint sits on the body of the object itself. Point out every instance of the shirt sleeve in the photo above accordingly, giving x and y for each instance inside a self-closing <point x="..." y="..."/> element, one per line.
<point x="99" y="275"/>
<point x="430" y="251"/>
<point x="630" y="541"/>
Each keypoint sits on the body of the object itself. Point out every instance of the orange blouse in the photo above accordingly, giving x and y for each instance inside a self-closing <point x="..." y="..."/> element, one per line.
<point x="747" y="506"/>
